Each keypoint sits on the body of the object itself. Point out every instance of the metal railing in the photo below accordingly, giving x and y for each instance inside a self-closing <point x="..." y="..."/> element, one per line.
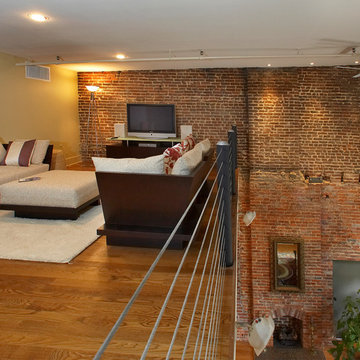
<point x="201" y="328"/>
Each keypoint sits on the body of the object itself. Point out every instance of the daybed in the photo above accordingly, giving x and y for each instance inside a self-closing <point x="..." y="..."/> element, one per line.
<point x="141" y="209"/>
<point x="13" y="172"/>
<point x="56" y="194"/>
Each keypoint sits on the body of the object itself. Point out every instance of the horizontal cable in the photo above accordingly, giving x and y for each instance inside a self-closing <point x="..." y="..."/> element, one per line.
<point x="193" y="273"/>
<point x="219" y="309"/>
<point x="151" y="269"/>
<point x="155" y="327"/>
<point x="215" y="299"/>
<point x="210" y="282"/>
<point x="208" y="303"/>
<point x="202" y="278"/>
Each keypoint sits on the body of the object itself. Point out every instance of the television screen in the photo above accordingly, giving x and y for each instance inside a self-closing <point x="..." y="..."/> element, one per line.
<point x="146" y="120"/>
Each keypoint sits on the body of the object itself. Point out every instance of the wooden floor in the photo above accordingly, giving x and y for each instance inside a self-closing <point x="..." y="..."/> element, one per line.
<point x="64" y="311"/>
<point x="244" y="351"/>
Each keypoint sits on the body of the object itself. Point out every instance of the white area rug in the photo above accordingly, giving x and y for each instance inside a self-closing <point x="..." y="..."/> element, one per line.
<point x="56" y="241"/>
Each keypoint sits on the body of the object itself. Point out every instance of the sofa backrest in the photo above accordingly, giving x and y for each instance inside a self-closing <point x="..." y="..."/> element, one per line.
<point x="148" y="200"/>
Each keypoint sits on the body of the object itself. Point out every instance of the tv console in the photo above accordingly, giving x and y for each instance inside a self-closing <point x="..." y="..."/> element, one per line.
<point x="135" y="147"/>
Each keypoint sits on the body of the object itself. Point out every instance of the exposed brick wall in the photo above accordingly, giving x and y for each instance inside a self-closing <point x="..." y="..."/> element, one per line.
<point x="292" y="118"/>
<point x="285" y="208"/>
<point x="211" y="100"/>
<point x="273" y="119"/>
<point x="327" y="218"/>
<point x="304" y="120"/>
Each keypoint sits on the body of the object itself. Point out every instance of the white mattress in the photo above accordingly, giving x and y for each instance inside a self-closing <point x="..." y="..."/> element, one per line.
<point x="9" y="173"/>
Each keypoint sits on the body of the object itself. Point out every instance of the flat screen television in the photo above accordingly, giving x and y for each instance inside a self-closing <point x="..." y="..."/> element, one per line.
<point x="151" y="121"/>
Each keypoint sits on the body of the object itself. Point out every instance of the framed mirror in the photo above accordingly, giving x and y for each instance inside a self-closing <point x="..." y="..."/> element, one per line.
<point x="288" y="264"/>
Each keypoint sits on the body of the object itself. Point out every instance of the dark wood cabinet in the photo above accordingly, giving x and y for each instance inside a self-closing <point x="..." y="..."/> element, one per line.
<point x="141" y="148"/>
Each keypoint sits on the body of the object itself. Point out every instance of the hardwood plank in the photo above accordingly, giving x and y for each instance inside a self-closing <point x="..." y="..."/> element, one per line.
<point x="244" y="351"/>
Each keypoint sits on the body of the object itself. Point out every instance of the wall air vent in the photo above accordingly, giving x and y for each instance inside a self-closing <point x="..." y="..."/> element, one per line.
<point x="37" y="72"/>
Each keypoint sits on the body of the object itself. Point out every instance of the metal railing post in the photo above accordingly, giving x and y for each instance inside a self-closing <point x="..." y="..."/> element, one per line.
<point x="232" y="142"/>
<point x="234" y="128"/>
<point x="223" y="166"/>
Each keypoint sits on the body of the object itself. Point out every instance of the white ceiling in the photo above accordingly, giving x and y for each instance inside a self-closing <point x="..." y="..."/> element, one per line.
<point x="248" y="32"/>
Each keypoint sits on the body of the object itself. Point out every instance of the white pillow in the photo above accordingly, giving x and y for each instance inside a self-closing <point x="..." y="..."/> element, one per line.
<point x="40" y="151"/>
<point x="206" y="145"/>
<point x="19" y="153"/>
<point x="188" y="162"/>
<point x="2" y="152"/>
<point x="149" y="165"/>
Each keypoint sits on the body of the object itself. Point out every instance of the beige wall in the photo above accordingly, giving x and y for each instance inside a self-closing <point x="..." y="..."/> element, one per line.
<point x="39" y="109"/>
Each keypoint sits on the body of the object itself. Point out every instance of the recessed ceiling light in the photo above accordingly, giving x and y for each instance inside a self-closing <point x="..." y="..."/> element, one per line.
<point x="38" y="17"/>
<point x="312" y="63"/>
<point x="120" y="56"/>
<point x="269" y="65"/>
<point x="356" y="62"/>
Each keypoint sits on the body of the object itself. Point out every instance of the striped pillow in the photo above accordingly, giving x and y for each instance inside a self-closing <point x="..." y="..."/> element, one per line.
<point x="39" y="152"/>
<point x="19" y="153"/>
<point x="2" y="152"/>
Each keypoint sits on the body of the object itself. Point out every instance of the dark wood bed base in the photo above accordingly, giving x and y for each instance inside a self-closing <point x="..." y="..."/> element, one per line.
<point x="48" y="155"/>
<point x="143" y="209"/>
<point x="49" y="212"/>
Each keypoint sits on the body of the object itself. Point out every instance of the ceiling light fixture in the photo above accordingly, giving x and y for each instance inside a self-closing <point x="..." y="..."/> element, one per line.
<point x="120" y="56"/>
<point x="268" y="65"/>
<point x="356" y="62"/>
<point x="312" y="63"/>
<point x="38" y="17"/>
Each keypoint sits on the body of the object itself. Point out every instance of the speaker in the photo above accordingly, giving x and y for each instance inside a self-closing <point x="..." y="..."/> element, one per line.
<point x="185" y="130"/>
<point x="119" y="130"/>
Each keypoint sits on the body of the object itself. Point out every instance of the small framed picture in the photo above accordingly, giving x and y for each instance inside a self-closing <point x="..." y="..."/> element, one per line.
<point x="288" y="264"/>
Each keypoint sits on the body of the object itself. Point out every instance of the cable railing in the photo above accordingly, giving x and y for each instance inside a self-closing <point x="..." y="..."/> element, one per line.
<point x="197" y="328"/>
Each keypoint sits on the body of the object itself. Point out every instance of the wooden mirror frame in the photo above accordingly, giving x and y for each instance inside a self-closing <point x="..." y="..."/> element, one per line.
<point x="292" y="277"/>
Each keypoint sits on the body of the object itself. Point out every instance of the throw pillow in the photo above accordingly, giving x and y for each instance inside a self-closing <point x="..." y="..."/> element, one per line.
<point x="19" y="153"/>
<point x="191" y="141"/>
<point x="2" y="152"/>
<point x="185" y="144"/>
<point x="188" y="162"/>
<point x="40" y="149"/>
<point x="204" y="145"/>
<point x="171" y="155"/>
<point x="149" y="165"/>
